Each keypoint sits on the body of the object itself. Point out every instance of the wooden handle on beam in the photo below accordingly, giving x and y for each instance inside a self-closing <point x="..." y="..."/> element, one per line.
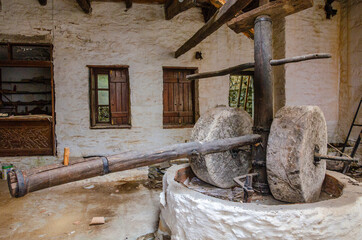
<point x="66" y="156"/>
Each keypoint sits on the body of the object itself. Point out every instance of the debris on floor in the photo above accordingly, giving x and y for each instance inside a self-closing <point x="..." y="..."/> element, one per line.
<point x="97" y="221"/>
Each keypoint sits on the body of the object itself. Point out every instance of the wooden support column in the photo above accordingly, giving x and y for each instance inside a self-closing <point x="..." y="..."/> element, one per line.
<point x="263" y="96"/>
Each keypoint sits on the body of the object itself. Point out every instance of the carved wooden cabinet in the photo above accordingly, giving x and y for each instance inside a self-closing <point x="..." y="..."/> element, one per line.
<point x="26" y="136"/>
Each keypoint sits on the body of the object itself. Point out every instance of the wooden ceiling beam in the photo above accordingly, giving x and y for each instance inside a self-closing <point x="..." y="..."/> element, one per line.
<point x="85" y="5"/>
<point x="222" y="16"/>
<point x="276" y="10"/>
<point x="134" y="1"/>
<point x="128" y="3"/>
<point x="43" y="2"/>
<point x="172" y="8"/>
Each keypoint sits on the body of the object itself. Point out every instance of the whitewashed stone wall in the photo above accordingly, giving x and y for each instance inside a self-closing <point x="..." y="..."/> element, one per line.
<point x="314" y="82"/>
<point x="351" y="61"/>
<point x="140" y="38"/>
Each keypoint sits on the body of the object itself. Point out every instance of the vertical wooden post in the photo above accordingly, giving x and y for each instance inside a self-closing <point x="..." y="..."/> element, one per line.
<point x="66" y="157"/>
<point x="263" y="96"/>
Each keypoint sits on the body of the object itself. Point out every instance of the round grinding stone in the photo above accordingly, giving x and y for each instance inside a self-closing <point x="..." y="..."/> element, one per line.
<point x="296" y="133"/>
<point x="219" y="169"/>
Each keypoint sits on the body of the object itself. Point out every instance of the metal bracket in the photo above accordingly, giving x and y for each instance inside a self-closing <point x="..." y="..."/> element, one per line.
<point x="246" y="182"/>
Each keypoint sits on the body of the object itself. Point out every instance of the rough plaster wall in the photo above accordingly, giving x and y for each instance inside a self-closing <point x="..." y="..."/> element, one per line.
<point x="351" y="62"/>
<point x="192" y="215"/>
<point x="314" y="82"/>
<point x="140" y="38"/>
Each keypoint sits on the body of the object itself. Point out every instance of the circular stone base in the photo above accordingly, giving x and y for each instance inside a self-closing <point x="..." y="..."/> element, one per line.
<point x="188" y="214"/>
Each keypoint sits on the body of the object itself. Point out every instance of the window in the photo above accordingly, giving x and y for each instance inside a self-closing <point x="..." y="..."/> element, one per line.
<point x="179" y="98"/>
<point x="109" y="97"/>
<point x="241" y="92"/>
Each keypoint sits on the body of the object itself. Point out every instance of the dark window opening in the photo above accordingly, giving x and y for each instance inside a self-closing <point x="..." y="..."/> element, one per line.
<point x="241" y="92"/>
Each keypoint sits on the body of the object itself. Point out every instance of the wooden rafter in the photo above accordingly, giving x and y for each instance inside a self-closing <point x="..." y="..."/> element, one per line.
<point x="43" y="2"/>
<point x="128" y="3"/>
<point x="223" y="15"/>
<point x="85" y="5"/>
<point x="175" y="7"/>
<point x="276" y="10"/>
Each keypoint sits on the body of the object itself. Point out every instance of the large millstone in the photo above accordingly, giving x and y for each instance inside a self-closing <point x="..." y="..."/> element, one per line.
<point x="219" y="169"/>
<point x="296" y="133"/>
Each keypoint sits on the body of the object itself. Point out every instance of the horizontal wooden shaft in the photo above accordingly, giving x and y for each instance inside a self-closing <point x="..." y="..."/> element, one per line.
<point x="239" y="68"/>
<point x="318" y="157"/>
<point x="35" y="180"/>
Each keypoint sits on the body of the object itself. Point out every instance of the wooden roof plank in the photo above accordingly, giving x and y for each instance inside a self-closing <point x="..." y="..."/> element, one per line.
<point x="276" y="10"/>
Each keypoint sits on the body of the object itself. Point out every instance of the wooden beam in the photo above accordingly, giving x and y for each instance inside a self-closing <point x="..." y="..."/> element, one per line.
<point x="223" y="15"/>
<point x="43" y="2"/>
<point x="55" y="175"/>
<point x="128" y="3"/>
<point x="176" y="7"/>
<point x="239" y="68"/>
<point x="276" y="10"/>
<point x="135" y="1"/>
<point x="85" y="6"/>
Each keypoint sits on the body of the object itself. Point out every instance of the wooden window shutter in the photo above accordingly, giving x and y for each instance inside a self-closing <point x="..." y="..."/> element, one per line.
<point x="178" y="97"/>
<point x="119" y="97"/>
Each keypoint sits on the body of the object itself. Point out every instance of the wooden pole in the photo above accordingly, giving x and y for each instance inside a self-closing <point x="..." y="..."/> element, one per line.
<point x="239" y="68"/>
<point x="239" y="92"/>
<point x="246" y="93"/>
<point x="22" y="182"/>
<point x="263" y="97"/>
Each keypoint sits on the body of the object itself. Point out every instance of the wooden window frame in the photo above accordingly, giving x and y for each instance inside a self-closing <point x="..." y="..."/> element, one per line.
<point x="195" y="98"/>
<point x="105" y="69"/>
<point x="10" y="62"/>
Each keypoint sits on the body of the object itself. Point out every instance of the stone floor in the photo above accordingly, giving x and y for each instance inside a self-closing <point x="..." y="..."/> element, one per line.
<point x="131" y="209"/>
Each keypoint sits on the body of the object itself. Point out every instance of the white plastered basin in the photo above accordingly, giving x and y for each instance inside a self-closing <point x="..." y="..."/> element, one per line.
<point x="187" y="214"/>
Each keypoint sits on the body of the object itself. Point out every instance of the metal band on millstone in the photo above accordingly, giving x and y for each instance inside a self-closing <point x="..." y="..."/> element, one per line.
<point x="296" y="133"/>
<point x="219" y="169"/>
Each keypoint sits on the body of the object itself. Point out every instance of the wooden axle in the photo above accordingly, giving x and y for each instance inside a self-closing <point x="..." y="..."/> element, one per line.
<point x="239" y="68"/>
<point x="318" y="157"/>
<point x="22" y="182"/>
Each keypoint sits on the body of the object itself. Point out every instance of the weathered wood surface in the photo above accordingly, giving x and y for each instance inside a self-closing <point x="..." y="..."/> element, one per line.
<point x="128" y="3"/>
<point x="244" y="66"/>
<point x="276" y="10"/>
<point x="175" y="7"/>
<point x="36" y="180"/>
<point x="26" y="136"/>
<point x="223" y="15"/>
<point x="85" y="5"/>
<point x="263" y="95"/>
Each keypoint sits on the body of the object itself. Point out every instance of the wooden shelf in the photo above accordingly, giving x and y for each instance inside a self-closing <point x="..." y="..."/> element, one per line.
<point x="27" y="82"/>
<point x="23" y="92"/>
<point x="18" y="103"/>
